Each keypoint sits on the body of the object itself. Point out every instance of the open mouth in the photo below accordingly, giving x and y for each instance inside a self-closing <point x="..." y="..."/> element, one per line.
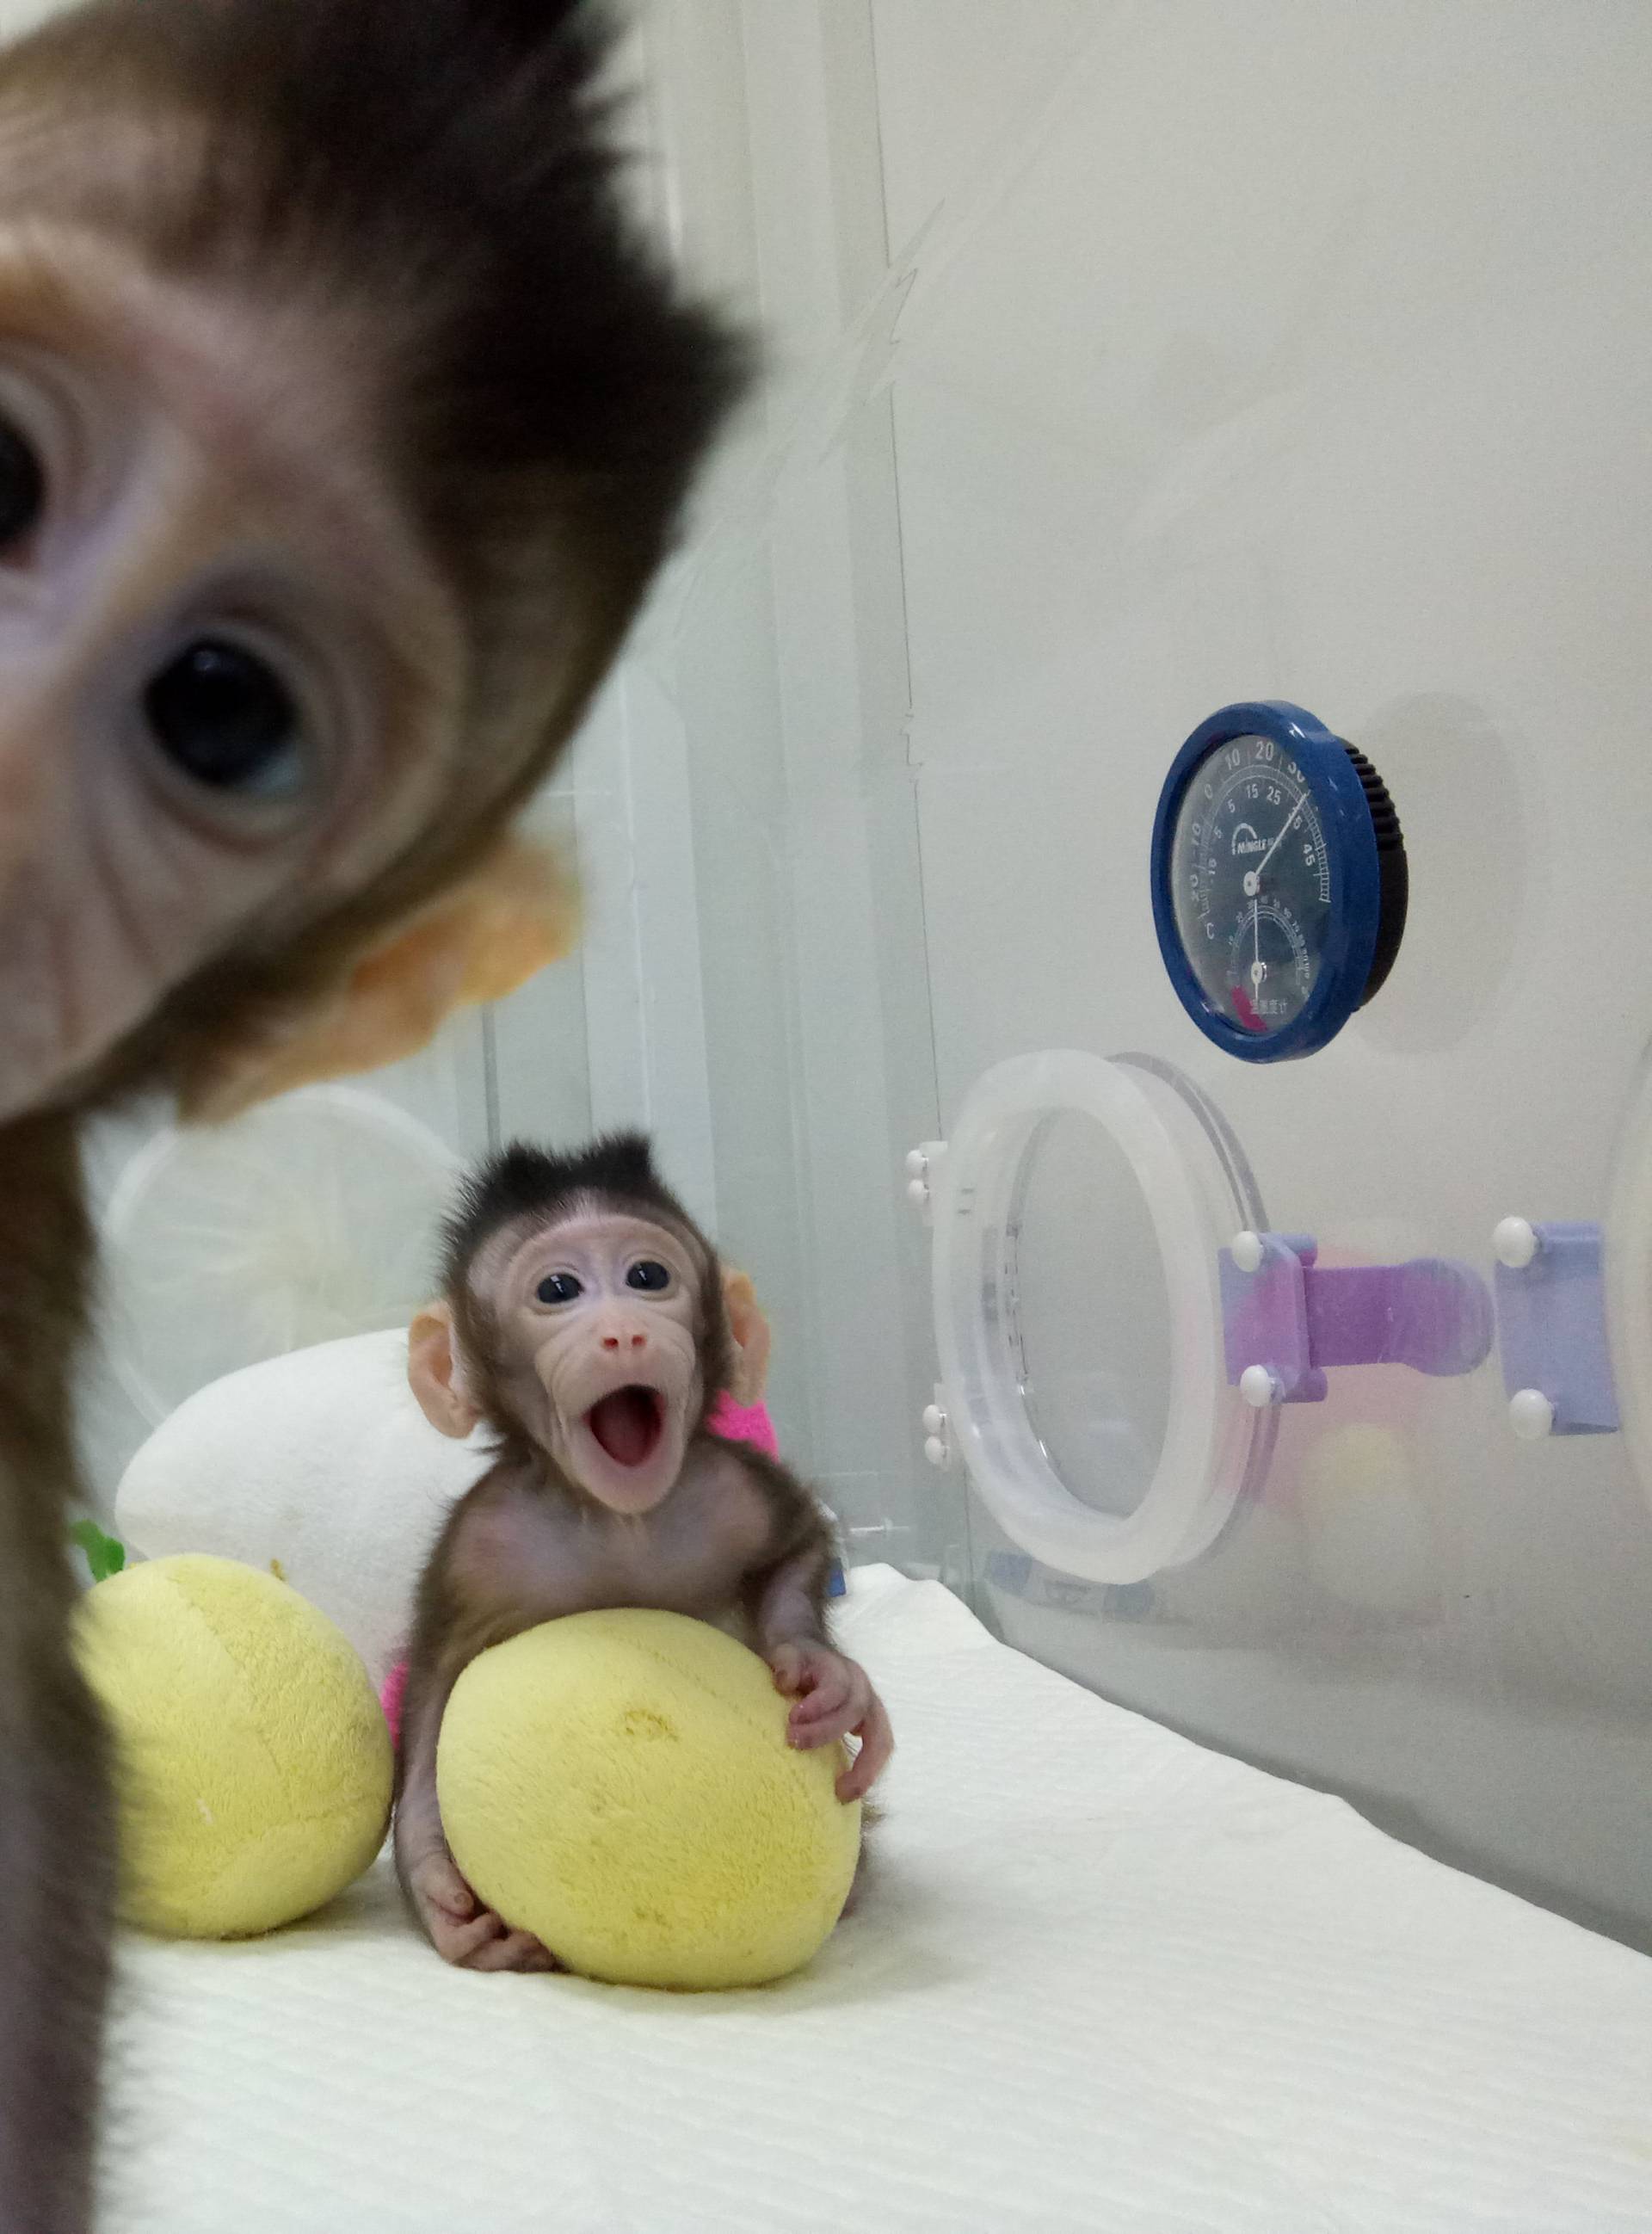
<point x="628" y="1425"/>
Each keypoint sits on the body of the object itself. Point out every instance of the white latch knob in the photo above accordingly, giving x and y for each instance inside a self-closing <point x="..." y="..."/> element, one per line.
<point x="1531" y="1414"/>
<point x="935" y="1451"/>
<point x="1247" y="1253"/>
<point x="934" y="1419"/>
<point x="1260" y="1386"/>
<point x="923" y="1167"/>
<point x="1516" y="1244"/>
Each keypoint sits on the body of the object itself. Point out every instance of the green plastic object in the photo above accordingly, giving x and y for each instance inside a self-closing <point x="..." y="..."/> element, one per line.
<point x="105" y="1555"/>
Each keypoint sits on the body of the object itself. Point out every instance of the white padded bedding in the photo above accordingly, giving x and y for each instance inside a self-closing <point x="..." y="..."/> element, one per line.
<point x="1102" y="1979"/>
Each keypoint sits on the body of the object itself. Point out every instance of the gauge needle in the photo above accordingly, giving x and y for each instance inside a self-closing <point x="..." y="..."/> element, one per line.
<point x="1255" y="877"/>
<point x="1258" y="968"/>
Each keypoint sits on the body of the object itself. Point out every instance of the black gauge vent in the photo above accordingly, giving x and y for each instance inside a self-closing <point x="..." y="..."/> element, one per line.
<point x="1394" y="877"/>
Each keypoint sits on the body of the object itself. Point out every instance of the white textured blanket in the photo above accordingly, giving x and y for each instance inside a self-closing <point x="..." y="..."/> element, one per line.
<point x="1102" y="1979"/>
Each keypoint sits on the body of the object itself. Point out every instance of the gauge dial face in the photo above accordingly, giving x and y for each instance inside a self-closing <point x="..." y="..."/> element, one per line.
<point x="1251" y="883"/>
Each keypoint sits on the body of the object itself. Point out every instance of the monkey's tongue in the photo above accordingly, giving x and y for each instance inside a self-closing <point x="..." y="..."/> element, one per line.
<point x="628" y="1425"/>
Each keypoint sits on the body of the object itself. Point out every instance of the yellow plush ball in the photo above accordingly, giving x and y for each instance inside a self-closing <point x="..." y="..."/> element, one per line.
<point x="253" y="1760"/>
<point x="619" y="1784"/>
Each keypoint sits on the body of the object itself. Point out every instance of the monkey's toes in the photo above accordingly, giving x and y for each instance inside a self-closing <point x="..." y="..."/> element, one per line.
<point x="438" y="1885"/>
<point x="515" y="1950"/>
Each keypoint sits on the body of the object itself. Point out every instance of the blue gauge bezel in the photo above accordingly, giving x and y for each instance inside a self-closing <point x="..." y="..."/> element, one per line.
<point x="1355" y="910"/>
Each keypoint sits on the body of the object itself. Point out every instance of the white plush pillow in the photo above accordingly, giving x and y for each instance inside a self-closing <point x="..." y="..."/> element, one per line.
<point x="319" y="1464"/>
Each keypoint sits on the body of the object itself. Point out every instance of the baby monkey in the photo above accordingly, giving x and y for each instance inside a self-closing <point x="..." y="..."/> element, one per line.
<point x="582" y="1321"/>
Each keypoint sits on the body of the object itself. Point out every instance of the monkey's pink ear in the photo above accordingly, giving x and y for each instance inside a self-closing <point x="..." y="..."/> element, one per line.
<point x="436" y="1376"/>
<point x="517" y="911"/>
<point x="750" y="1331"/>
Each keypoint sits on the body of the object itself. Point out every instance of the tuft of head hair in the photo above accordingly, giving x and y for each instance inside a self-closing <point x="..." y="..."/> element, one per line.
<point x="522" y="1182"/>
<point x="450" y="166"/>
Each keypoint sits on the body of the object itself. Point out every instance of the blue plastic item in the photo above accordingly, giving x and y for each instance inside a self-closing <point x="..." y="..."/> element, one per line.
<point x="1551" y="1329"/>
<point x="1279" y="880"/>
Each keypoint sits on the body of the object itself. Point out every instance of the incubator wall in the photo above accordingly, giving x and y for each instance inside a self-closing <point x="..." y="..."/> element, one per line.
<point x="1123" y="363"/>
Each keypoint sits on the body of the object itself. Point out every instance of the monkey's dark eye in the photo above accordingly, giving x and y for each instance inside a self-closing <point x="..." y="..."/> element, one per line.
<point x="648" y="1274"/>
<point x="223" y="716"/>
<point x="22" y="486"/>
<point x="558" y="1287"/>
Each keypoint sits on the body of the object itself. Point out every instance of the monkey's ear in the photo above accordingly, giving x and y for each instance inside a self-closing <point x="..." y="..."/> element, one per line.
<point x="749" y="1331"/>
<point x="518" y="910"/>
<point x="435" y="1374"/>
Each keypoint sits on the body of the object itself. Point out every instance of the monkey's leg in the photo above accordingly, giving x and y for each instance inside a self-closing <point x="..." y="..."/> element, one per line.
<point x="55" y="1884"/>
<point x="458" y="1925"/>
<point x="56" y="1849"/>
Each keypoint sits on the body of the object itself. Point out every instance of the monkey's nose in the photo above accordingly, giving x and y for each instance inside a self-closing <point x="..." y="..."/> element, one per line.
<point x="636" y="1341"/>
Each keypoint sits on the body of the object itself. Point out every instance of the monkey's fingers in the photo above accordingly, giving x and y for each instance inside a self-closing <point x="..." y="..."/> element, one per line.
<point x="789" y="1665"/>
<point x="876" y="1743"/>
<point x="827" y="1711"/>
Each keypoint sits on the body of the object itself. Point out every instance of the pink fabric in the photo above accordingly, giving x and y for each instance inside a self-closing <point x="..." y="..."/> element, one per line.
<point x="735" y="1423"/>
<point x="390" y="1698"/>
<point x="743" y="1423"/>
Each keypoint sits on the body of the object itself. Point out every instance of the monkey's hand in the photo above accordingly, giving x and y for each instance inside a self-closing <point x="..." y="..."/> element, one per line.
<point x="834" y="1699"/>
<point x="460" y="1929"/>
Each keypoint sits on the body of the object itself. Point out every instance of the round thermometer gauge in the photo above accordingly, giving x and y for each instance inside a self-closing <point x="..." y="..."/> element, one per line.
<point x="1278" y="880"/>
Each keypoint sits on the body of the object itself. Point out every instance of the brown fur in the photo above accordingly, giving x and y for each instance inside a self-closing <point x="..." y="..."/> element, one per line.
<point x="56" y="1854"/>
<point x="523" y="1184"/>
<point x="427" y="183"/>
<point x="734" y="1539"/>
<point x="433" y="182"/>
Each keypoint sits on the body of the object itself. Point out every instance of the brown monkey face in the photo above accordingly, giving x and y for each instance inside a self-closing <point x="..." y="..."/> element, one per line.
<point x="228" y="680"/>
<point x="599" y="1317"/>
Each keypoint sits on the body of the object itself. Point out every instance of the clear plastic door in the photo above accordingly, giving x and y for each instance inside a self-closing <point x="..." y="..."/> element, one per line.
<point x="1078" y="1213"/>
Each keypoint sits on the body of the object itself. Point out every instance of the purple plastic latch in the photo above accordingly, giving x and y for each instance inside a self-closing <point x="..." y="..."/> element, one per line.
<point x="1296" y="1318"/>
<point x="1551" y="1329"/>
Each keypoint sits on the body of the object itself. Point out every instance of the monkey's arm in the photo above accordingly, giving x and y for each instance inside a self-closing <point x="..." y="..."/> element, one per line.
<point x="460" y="1928"/>
<point x="833" y="1695"/>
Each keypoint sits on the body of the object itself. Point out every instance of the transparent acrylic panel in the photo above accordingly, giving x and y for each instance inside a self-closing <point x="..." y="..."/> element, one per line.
<point x="1198" y="348"/>
<point x="1092" y="1312"/>
<point x="781" y="642"/>
<point x="1176" y="426"/>
<point x="535" y="1044"/>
